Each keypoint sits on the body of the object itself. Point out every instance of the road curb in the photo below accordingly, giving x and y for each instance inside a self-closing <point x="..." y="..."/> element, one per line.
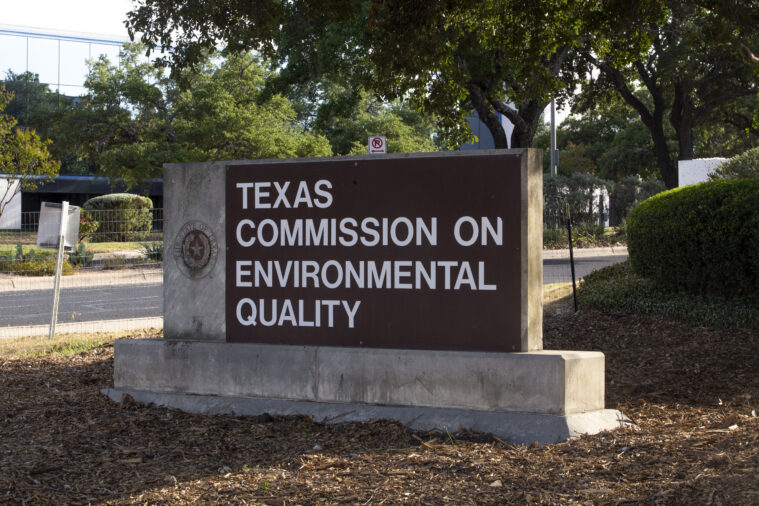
<point x="83" y="279"/>
<point x="586" y="252"/>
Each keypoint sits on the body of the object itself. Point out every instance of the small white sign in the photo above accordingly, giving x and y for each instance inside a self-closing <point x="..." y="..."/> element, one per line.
<point x="377" y="145"/>
<point x="50" y="223"/>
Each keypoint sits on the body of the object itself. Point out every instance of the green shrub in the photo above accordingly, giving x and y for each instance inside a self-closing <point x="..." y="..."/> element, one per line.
<point x="574" y="193"/>
<point x="153" y="251"/>
<point x="120" y="217"/>
<point x="618" y="288"/>
<point x="115" y="262"/>
<point x="702" y="238"/>
<point x="87" y="225"/>
<point x="742" y="166"/>
<point x="627" y="193"/>
<point x="34" y="265"/>
<point x="81" y="256"/>
<point x="584" y="235"/>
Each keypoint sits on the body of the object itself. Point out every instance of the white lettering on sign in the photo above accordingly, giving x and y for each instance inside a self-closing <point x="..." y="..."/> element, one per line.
<point x="264" y="199"/>
<point x="475" y="231"/>
<point x="363" y="274"/>
<point x="346" y="232"/>
<point x="300" y="313"/>
<point x="259" y="231"/>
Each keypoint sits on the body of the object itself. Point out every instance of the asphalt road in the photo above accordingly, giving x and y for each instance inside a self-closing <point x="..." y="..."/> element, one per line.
<point x="94" y="303"/>
<point x="556" y="270"/>
<point x="34" y="307"/>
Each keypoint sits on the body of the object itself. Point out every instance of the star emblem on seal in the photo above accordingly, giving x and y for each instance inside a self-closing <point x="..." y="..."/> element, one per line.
<point x="195" y="249"/>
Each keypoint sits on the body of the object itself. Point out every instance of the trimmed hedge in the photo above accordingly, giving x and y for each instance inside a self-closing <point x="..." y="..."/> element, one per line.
<point x="120" y="217"/>
<point x="702" y="238"/>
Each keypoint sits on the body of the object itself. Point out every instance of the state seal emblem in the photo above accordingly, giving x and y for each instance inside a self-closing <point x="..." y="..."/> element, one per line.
<point x="195" y="249"/>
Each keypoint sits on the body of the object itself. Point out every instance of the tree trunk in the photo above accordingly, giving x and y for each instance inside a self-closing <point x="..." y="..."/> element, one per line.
<point x="525" y="118"/>
<point x="488" y="116"/>
<point x="667" y="167"/>
<point x="653" y="119"/>
<point x="524" y="131"/>
<point x="682" y="120"/>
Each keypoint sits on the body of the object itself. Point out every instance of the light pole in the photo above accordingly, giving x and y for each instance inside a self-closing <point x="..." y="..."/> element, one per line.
<point x="554" y="152"/>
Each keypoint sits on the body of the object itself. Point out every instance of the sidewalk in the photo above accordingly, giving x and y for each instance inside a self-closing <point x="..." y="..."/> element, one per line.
<point x="85" y="277"/>
<point x="586" y="252"/>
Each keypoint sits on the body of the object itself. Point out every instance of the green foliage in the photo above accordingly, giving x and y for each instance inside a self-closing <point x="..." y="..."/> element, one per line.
<point x="446" y="57"/>
<point x="573" y="194"/>
<point x="33" y="104"/>
<point x="575" y="159"/>
<point x="71" y="346"/>
<point x="584" y="235"/>
<point x="81" y="257"/>
<point x="87" y="225"/>
<point x="116" y="262"/>
<point x="603" y="134"/>
<point x="695" y="80"/>
<point x="23" y="156"/>
<point x="135" y="117"/>
<point x="618" y="288"/>
<point x="153" y="251"/>
<point x="742" y="166"/>
<point x="34" y="263"/>
<point x="120" y="217"/>
<point x="118" y="201"/>
<point x="701" y="238"/>
<point x="375" y="119"/>
<point x="627" y="193"/>
<point x="612" y="134"/>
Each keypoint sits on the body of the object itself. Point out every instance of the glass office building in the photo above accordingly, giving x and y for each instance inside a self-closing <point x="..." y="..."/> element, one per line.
<point x="58" y="58"/>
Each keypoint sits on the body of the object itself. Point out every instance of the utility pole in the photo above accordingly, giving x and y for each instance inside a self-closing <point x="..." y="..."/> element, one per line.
<point x="554" y="152"/>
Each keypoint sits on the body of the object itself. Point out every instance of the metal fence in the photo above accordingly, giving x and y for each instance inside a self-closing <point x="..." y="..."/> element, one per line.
<point x="111" y="281"/>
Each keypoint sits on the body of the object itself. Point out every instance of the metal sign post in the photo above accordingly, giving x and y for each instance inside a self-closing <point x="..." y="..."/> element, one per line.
<point x="58" y="265"/>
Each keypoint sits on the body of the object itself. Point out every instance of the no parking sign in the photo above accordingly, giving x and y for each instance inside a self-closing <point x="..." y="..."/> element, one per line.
<point x="377" y="145"/>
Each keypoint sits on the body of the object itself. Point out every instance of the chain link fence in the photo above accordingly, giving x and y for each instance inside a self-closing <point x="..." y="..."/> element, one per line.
<point x="112" y="281"/>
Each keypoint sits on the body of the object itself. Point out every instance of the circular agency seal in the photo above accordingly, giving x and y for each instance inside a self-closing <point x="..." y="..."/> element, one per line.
<point x="195" y="249"/>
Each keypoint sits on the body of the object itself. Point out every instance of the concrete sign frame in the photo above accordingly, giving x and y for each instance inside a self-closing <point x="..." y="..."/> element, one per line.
<point x="524" y="396"/>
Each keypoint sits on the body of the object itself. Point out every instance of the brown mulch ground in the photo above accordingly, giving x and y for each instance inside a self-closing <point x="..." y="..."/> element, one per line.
<point x="691" y="391"/>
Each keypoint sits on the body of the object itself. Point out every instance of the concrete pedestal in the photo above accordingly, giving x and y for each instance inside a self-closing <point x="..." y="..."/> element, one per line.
<point x="544" y="396"/>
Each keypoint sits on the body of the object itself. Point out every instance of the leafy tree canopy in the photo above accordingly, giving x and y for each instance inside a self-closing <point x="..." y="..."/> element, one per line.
<point x="692" y="73"/>
<point x="137" y="117"/>
<point x="24" y="158"/>
<point x="35" y="106"/>
<point x="606" y="139"/>
<point x="447" y="57"/>
<point x="347" y="118"/>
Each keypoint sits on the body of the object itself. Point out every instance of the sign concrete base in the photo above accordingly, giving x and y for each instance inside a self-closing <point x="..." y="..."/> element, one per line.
<point x="516" y="428"/>
<point x="545" y="396"/>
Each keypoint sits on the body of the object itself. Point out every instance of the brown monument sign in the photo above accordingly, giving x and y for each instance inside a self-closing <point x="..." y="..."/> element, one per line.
<point x="417" y="252"/>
